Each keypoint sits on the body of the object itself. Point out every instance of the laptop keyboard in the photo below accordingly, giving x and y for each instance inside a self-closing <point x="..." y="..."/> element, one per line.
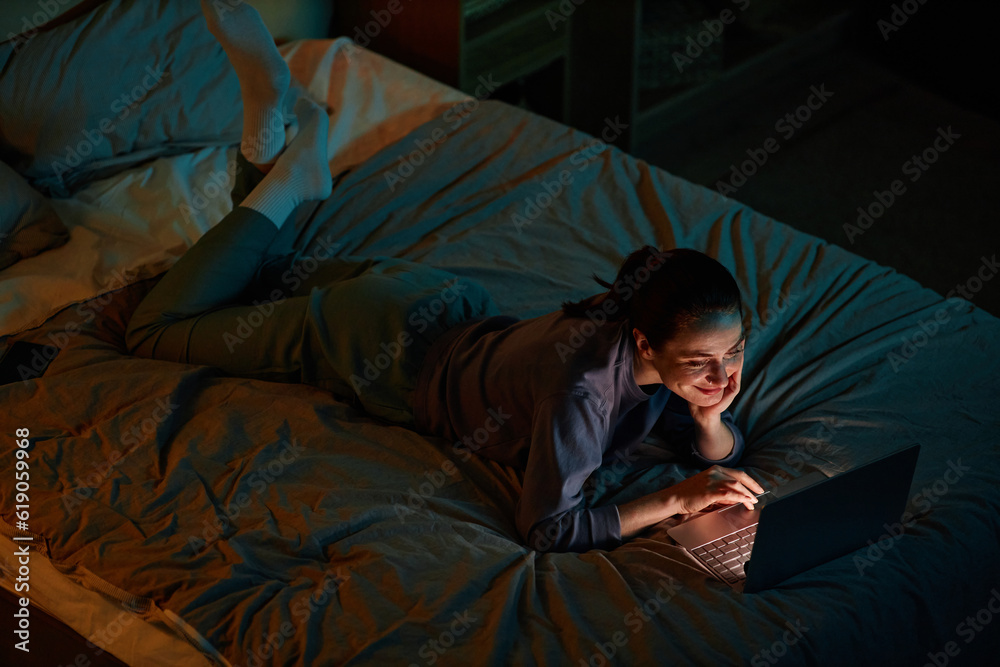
<point x="726" y="555"/>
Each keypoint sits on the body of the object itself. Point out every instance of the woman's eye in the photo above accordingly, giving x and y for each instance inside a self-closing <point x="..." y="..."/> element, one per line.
<point x="701" y="364"/>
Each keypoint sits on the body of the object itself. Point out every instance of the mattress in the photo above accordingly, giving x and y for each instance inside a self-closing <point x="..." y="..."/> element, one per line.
<point x="279" y="525"/>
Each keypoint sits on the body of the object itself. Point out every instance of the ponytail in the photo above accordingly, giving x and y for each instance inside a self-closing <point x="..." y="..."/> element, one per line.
<point x="633" y="272"/>
<point x="662" y="292"/>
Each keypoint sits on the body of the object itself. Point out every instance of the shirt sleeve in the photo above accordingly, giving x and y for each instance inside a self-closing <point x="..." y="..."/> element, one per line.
<point x="566" y="447"/>
<point x="677" y="425"/>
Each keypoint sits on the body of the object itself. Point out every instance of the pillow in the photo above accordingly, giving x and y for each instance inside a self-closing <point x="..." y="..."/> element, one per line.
<point x="86" y="97"/>
<point x="28" y="223"/>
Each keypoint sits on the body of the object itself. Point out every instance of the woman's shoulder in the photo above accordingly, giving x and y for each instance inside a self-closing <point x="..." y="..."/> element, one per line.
<point x="578" y="357"/>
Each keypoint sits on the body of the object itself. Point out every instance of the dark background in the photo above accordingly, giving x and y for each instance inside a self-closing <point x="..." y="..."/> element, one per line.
<point x="938" y="70"/>
<point x="949" y="48"/>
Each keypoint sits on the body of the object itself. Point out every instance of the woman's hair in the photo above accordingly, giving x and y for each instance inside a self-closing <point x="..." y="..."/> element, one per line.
<point x="661" y="292"/>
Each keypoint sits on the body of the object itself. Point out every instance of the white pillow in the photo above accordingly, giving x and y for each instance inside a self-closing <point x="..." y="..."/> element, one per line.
<point x="111" y="84"/>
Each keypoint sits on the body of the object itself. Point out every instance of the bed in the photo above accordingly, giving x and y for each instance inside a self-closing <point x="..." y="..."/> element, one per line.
<point x="179" y="516"/>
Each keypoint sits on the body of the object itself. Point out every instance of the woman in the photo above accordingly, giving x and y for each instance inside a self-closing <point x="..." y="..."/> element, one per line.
<point x="554" y="396"/>
<point x="661" y="350"/>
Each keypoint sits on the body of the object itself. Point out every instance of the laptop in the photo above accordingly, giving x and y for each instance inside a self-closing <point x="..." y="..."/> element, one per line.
<point x="801" y="524"/>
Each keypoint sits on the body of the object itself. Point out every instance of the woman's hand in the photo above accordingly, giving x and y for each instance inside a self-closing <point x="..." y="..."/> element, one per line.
<point x="714" y="485"/>
<point x="705" y="415"/>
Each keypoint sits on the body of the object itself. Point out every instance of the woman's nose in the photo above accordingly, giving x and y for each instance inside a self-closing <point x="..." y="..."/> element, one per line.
<point x="717" y="373"/>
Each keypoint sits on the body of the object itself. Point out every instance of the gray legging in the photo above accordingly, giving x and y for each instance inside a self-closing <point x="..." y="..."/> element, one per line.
<point x="359" y="328"/>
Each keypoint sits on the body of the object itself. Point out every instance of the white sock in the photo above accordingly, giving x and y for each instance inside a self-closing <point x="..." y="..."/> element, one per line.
<point x="301" y="173"/>
<point x="263" y="75"/>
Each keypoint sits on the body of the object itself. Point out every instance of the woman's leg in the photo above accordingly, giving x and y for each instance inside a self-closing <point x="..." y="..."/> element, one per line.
<point x="190" y="315"/>
<point x="263" y="75"/>
<point x="363" y="333"/>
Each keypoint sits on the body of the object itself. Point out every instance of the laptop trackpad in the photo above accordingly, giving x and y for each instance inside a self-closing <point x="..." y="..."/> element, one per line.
<point x="710" y="527"/>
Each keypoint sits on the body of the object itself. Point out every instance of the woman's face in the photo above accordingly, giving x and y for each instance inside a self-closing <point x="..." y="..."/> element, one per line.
<point x="698" y="362"/>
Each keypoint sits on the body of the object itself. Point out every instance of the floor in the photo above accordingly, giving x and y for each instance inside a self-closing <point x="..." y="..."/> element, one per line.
<point x="50" y="642"/>
<point x="930" y="218"/>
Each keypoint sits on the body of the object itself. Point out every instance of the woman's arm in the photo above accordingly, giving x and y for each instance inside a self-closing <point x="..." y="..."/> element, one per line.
<point x="714" y="439"/>
<point x="567" y="431"/>
<point x="714" y="485"/>
<point x="715" y="436"/>
<point x="565" y="451"/>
